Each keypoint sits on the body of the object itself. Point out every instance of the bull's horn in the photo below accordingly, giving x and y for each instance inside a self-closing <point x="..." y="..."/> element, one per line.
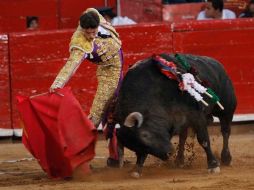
<point x="132" y="118"/>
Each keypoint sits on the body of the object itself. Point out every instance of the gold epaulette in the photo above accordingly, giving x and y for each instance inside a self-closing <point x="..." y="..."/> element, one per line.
<point x="79" y="41"/>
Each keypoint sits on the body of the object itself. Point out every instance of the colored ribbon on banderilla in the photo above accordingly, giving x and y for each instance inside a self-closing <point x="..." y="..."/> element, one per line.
<point x="195" y="89"/>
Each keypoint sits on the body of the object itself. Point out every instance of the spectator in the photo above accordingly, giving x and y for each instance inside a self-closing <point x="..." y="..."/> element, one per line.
<point x="215" y="10"/>
<point x="249" y="12"/>
<point x="32" y="22"/>
<point x="112" y="18"/>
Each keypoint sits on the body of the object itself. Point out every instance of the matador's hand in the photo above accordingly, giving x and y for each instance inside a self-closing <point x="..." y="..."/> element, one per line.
<point x="52" y="90"/>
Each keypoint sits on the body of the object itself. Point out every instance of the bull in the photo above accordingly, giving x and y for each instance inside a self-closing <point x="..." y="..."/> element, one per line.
<point x="151" y="109"/>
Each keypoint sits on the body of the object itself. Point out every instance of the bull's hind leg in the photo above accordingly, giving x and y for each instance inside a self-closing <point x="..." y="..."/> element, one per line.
<point x="180" y="154"/>
<point x="225" y="130"/>
<point x="204" y="141"/>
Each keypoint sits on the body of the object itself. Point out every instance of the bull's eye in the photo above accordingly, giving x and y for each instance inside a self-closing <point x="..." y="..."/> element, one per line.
<point x="145" y="136"/>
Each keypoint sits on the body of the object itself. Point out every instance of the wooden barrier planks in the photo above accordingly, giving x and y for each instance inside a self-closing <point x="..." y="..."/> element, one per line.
<point x="70" y="10"/>
<point x="5" y="105"/>
<point x="142" y="41"/>
<point x="13" y="14"/>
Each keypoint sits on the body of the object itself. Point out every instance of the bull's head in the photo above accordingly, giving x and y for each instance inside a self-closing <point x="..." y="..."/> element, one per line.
<point x="150" y="135"/>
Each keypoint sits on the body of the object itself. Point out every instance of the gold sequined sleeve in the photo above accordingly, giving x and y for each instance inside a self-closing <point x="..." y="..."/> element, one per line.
<point x="72" y="64"/>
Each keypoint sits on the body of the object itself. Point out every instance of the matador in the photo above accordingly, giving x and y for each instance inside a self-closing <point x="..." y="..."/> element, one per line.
<point x="96" y="40"/>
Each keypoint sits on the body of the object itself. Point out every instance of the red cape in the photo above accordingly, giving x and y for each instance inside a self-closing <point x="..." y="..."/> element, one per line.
<point x="57" y="132"/>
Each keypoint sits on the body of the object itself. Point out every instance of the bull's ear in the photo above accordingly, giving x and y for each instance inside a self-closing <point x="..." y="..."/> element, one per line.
<point x="134" y="118"/>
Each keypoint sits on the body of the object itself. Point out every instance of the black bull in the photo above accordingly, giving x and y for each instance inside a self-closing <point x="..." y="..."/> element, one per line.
<point x="151" y="109"/>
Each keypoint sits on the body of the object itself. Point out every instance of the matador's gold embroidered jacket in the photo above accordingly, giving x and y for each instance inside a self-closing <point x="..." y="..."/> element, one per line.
<point x="106" y="53"/>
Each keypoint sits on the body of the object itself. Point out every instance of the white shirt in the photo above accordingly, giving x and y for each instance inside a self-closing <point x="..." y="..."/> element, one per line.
<point x="103" y="30"/>
<point x="226" y="14"/>
<point x="119" y="20"/>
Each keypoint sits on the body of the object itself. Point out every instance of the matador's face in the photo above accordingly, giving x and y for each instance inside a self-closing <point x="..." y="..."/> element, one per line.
<point x="90" y="33"/>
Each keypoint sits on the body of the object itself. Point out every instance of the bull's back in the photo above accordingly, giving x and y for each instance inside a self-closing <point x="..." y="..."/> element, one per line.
<point x="213" y="74"/>
<point x="144" y="86"/>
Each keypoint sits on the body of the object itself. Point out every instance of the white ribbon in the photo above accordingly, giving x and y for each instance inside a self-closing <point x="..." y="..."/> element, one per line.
<point x="193" y="87"/>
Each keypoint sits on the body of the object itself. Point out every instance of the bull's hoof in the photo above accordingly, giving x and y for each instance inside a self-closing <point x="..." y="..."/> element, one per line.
<point x="179" y="162"/>
<point x="180" y="165"/>
<point x="135" y="175"/>
<point x="226" y="157"/>
<point x="112" y="163"/>
<point x="121" y="163"/>
<point x="214" y="170"/>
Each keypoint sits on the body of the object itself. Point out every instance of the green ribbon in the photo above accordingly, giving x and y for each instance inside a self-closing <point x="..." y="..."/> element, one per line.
<point x="183" y="61"/>
<point x="215" y="98"/>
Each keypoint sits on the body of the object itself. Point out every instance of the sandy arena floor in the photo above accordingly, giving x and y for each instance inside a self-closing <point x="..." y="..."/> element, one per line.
<point x="19" y="171"/>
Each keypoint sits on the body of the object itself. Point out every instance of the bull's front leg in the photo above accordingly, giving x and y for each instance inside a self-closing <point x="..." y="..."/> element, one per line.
<point x="203" y="139"/>
<point x="137" y="171"/>
<point x="120" y="150"/>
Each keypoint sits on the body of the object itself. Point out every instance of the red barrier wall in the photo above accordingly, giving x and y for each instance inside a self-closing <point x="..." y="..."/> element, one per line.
<point x="5" y="117"/>
<point x="230" y="42"/>
<point x="13" y="14"/>
<point x="142" y="10"/>
<point x="37" y="57"/>
<point x="52" y="14"/>
<point x="181" y="12"/>
<point x="70" y="10"/>
<point x="141" y="41"/>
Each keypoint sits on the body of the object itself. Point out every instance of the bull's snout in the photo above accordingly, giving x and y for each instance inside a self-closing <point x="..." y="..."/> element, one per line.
<point x="168" y="153"/>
